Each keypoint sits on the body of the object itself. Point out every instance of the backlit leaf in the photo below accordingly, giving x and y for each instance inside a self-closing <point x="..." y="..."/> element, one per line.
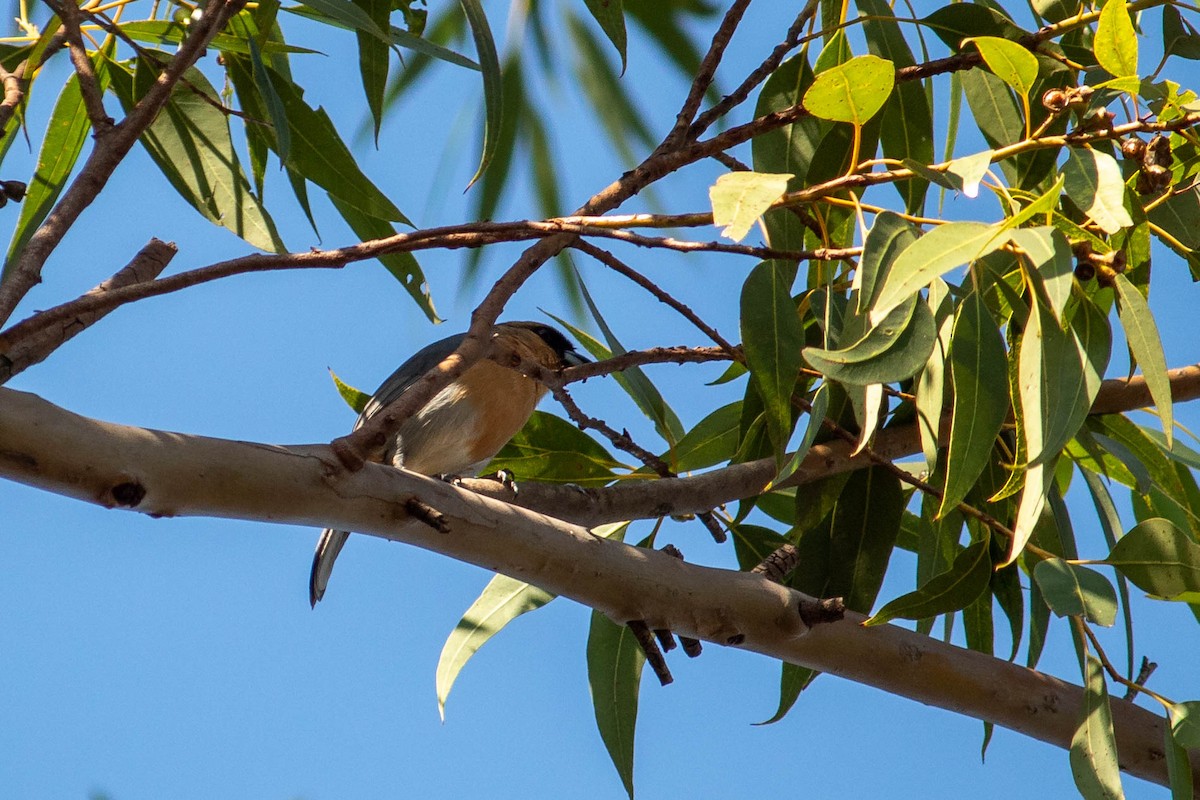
<point x="610" y="15"/>
<point x="851" y="92"/>
<point x="1094" y="183"/>
<point x="1009" y="61"/>
<point x="553" y="450"/>
<point x="740" y="198"/>
<point x="1116" y="42"/>
<point x="614" y="674"/>
<point x="949" y="591"/>
<point x="1094" y="747"/>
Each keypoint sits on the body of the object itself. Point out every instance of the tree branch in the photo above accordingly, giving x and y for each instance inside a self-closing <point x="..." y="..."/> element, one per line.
<point x="169" y="474"/>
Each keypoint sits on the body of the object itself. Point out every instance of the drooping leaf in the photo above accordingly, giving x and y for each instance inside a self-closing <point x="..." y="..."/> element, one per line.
<point x="740" y="198"/>
<point x="633" y="380"/>
<point x="772" y="337"/>
<point x="273" y="104"/>
<point x="1072" y="590"/>
<point x="1116" y="44"/>
<point x="614" y="674"/>
<point x="1179" y="767"/>
<point x="1094" y="747"/>
<point x="977" y="370"/>
<point x="895" y="349"/>
<point x="190" y="142"/>
<point x="1009" y="61"/>
<point x="907" y="130"/>
<point x="944" y="248"/>
<point x="489" y="65"/>
<point x="374" y="57"/>
<point x="1050" y="253"/>
<point x="1142" y="335"/>
<point x="853" y="91"/>
<point x="1185" y="724"/>
<point x="949" y="591"/>
<point x="502" y="600"/>
<point x="886" y="239"/>
<point x="403" y="266"/>
<point x="1159" y="558"/>
<point x="610" y="14"/>
<point x="712" y="441"/>
<point x="1094" y="183"/>
<point x="816" y="420"/>
<point x="319" y="154"/>
<point x="158" y="31"/>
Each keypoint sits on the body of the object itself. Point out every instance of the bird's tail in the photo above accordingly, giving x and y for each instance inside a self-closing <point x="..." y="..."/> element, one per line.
<point x="328" y="547"/>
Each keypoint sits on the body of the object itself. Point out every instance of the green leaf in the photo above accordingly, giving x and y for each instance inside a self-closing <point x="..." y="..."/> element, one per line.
<point x="944" y="248"/>
<point x="1094" y="747"/>
<point x="948" y="591"/>
<point x="1185" y="724"/>
<point x="489" y="63"/>
<point x="273" y="104"/>
<point x="614" y="674"/>
<point x="1142" y="335"/>
<point x="1050" y="253"/>
<point x="348" y="14"/>
<point x="611" y="16"/>
<point x="552" y="450"/>
<point x="1042" y="204"/>
<point x="772" y="337"/>
<point x="190" y="142"/>
<point x="169" y="32"/>
<point x="740" y="198"/>
<point x="1094" y="183"/>
<point x="816" y="420"/>
<point x="1116" y="42"/>
<point x="907" y="130"/>
<point x="502" y="600"/>
<point x="851" y="92"/>
<point x="374" y="57"/>
<point x="712" y="441"/>
<point x="958" y="21"/>
<point x="846" y="554"/>
<point x="319" y="155"/>
<point x="793" y="680"/>
<point x="895" y="349"/>
<point x="1009" y="61"/>
<point x="1159" y="558"/>
<point x="888" y="237"/>
<point x="403" y="266"/>
<point x="1071" y="590"/>
<point x="1179" y="216"/>
<point x="977" y="372"/>
<point x="65" y="134"/>
<point x="1179" y="767"/>
<point x="354" y="398"/>
<point x="960" y="175"/>
<point x="1179" y="36"/>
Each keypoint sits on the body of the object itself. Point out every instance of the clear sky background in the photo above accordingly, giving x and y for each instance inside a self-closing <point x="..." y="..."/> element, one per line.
<point x="179" y="658"/>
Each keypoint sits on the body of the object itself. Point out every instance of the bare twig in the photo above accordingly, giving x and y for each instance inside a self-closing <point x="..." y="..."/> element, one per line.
<point x="26" y="271"/>
<point x="654" y="657"/>
<point x="612" y="262"/>
<point x="35" y="347"/>
<point x="89" y="87"/>
<point x="1144" y="673"/>
<point x="705" y="74"/>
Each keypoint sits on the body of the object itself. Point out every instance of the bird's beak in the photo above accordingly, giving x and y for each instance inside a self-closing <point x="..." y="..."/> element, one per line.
<point x="573" y="359"/>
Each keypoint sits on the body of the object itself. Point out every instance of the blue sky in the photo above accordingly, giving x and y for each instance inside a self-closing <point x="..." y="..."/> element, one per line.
<point x="179" y="658"/>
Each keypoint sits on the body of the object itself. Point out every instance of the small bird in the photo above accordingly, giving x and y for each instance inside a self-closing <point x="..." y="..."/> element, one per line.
<point x="459" y="431"/>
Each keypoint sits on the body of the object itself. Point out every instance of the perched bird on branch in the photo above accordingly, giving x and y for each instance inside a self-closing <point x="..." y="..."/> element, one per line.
<point x="463" y="427"/>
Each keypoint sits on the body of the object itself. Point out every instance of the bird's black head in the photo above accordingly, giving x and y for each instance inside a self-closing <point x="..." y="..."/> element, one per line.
<point x="557" y="342"/>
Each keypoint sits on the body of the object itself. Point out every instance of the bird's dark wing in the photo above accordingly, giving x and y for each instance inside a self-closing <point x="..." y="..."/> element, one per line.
<point x="407" y="373"/>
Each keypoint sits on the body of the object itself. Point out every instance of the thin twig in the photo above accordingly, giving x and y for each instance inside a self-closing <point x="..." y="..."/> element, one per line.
<point x="617" y="265"/>
<point x="760" y="73"/>
<point x="1144" y="673"/>
<point x="144" y="268"/>
<point x="1112" y="671"/>
<point x="89" y="87"/>
<point x="705" y="74"/>
<point x="109" y="152"/>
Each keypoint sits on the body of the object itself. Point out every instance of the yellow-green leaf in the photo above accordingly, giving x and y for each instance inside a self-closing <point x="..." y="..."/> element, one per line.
<point x="1116" y="41"/>
<point x="1093" y="182"/>
<point x="851" y="92"/>
<point x="1008" y="61"/>
<point x="740" y="198"/>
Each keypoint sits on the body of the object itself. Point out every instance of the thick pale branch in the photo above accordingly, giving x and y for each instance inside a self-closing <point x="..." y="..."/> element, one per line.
<point x="167" y="474"/>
